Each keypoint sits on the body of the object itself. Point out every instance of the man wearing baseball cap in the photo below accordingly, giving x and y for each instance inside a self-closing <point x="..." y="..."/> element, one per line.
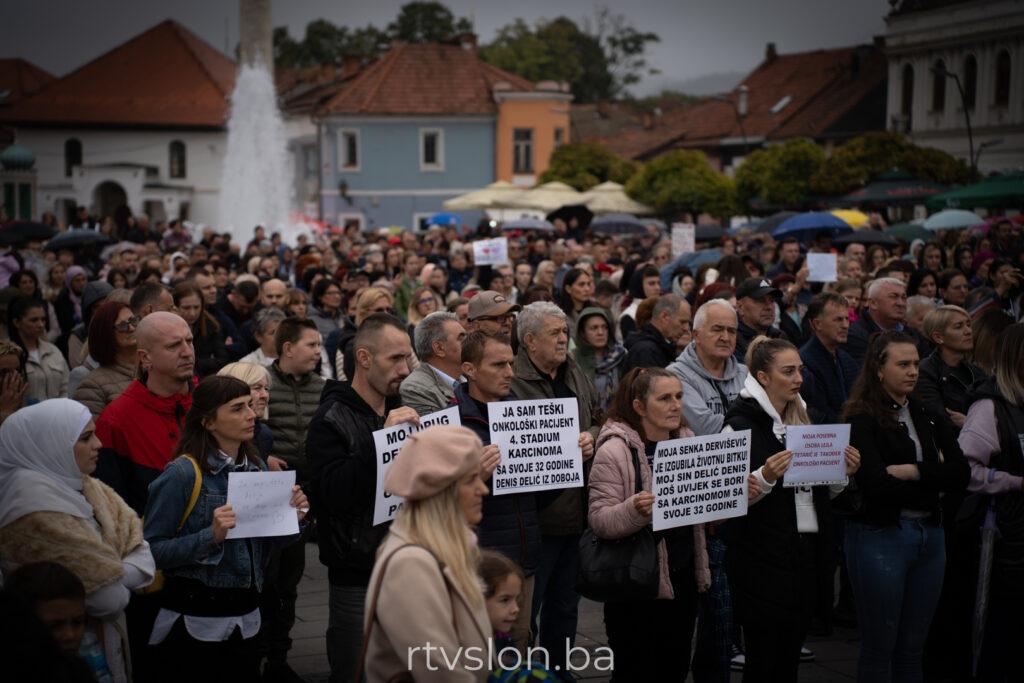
<point x="491" y="313"/>
<point x="756" y="302"/>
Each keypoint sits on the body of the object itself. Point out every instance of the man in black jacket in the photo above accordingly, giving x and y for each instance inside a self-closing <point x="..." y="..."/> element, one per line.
<point x="344" y="474"/>
<point x="510" y="524"/>
<point x="829" y="371"/>
<point x="654" y="344"/>
<point x="886" y="310"/>
<point x="756" y="303"/>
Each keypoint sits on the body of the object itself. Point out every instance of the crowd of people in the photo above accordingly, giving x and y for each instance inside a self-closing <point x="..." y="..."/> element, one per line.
<point x="133" y="381"/>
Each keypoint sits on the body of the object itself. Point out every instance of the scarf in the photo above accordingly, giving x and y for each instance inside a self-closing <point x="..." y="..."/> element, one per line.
<point x="76" y="299"/>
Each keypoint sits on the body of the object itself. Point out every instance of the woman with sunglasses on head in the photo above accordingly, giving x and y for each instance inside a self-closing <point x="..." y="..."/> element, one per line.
<point x="112" y="345"/>
<point x="209" y="617"/>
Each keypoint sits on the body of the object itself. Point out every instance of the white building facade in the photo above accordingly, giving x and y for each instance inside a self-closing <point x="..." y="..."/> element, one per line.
<point x="981" y="42"/>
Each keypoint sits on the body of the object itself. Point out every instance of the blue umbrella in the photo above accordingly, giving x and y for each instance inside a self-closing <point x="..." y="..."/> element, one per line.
<point x="445" y="219"/>
<point x="807" y="226"/>
<point x="527" y="224"/>
<point x="691" y="260"/>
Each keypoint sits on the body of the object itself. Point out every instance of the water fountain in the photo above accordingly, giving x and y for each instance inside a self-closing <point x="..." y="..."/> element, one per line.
<point x="257" y="177"/>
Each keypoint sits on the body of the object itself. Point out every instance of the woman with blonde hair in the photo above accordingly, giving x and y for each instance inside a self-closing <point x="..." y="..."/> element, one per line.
<point x="260" y="381"/>
<point x="424" y="587"/>
<point x="424" y="302"/>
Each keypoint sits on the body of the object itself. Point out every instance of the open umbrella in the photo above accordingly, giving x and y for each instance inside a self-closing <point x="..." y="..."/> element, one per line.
<point x="527" y="224"/>
<point x="618" y="224"/>
<point x="79" y="237"/>
<point x="953" y="219"/>
<point x="488" y="197"/>
<point x="854" y="218"/>
<point x="807" y="226"/>
<point x="580" y="212"/>
<point x="995" y="192"/>
<point x="708" y="233"/>
<point x="691" y="260"/>
<point x="546" y="197"/>
<point x="25" y="231"/>
<point x="866" y="237"/>
<point x="908" y="232"/>
<point x="445" y="219"/>
<point x="609" y="197"/>
<point x="893" y="188"/>
<point x="775" y="220"/>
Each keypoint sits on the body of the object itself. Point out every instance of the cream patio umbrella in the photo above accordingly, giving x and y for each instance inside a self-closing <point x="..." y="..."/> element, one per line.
<point x="546" y="197"/>
<point x="494" y="195"/>
<point x="609" y="197"/>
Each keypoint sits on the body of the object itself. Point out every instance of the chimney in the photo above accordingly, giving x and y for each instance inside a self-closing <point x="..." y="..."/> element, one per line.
<point x="770" y="53"/>
<point x="466" y="40"/>
<point x="350" y="65"/>
<point x="741" y="103"/>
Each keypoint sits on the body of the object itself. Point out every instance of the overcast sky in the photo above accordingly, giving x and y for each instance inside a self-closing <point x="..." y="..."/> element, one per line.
<point x="699" y="38"/>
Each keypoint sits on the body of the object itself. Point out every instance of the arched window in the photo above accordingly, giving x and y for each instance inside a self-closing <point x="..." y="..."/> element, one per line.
<point x="907" y="92"/>
<point x="176" y="161"/>
<point x="970" y="81"/>
<point x="72" y="155"/>
<point x="1002" y="98"/>
<point x="939" y="85"/>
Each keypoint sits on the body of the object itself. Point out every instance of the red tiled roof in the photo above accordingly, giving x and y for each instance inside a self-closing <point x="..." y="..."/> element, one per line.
<point x="20" y="78"/>
<point x="822" y="86"/>
<point x="424" y="79"/>
<point x="166" y="76"/>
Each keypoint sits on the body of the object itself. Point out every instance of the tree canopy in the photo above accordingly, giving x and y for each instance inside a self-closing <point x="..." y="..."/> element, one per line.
<point x="780" y="174"/>
<point x="682" y="181"/>
<point x="583" y="165"/>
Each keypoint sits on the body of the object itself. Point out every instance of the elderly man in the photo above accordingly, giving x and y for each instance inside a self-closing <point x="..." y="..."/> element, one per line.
<point x="757" y="302"/>
<point x="886" y="310"/>
<point x="491" y="313"/>
<point x="710" y="373"/>
<point x="654" y="344"/>
<point x="438" y="345"/>
<point x="544" y="369"/>
<point x="856" y="250"/>
<point x="829" y="371"/>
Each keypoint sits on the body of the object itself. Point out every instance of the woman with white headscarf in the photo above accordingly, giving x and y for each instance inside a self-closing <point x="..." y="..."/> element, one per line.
<point x="51" y="509"/>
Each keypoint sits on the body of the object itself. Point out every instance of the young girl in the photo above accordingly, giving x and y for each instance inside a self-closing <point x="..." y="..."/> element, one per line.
<point x="503" y="584"/>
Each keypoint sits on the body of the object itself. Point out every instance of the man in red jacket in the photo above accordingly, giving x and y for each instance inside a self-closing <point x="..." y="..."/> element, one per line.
<point x="140" y="428"/>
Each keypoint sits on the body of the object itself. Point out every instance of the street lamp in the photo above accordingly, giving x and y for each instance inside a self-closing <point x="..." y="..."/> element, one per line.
<point x="941" y="71"/>
<point x="985" y="145"/>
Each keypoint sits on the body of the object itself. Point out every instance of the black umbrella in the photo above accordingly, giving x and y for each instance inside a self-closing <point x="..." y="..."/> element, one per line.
<point x="580" y="212"/>
<point x="707" y="233"/>
<point x="867" y="237"/>
<point x="775" y="220"/>
<point x="618" y="224"/>
<point x="25" y="231"/>
<point x="77" y="237"/>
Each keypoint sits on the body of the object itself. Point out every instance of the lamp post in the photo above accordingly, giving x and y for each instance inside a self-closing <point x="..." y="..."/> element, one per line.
<point x="945" y="73"/>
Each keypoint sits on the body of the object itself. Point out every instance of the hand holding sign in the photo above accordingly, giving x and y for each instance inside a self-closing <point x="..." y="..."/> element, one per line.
<point x="540" y="442"/>
<point x="492" y="252"/>
<point x="262" y="504"/>
<point x="819" y="454"/>
<point x="821" y="268"/>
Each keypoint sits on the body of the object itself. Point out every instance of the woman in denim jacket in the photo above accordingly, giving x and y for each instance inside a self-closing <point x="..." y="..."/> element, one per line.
<point x="209" y="614"/>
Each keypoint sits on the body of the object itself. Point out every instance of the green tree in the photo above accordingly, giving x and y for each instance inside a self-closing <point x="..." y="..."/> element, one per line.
<point x="855" y="163"/>
<point x="683" y="182"/>
<point x="325" y="43"/>
<point x="598" y="63"/>
<point x="780" y="174"/>
<point x="426" y="22"/>
<point x="583" y="165"/>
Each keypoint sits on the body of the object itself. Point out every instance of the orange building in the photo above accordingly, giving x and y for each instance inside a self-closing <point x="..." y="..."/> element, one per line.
<point x="531" y="125"/>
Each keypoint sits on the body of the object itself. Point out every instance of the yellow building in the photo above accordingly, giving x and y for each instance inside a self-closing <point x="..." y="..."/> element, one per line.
<point x="531" y="125"/>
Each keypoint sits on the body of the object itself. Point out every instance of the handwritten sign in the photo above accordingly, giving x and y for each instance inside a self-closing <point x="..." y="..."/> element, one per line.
<point x="260" y="501"/>
<point x="493" y="252"/>
<point x="684" y="239"/>
<point x="388" y="442"/>
<point x="818" y="454"/>
<point x="539" y="444"/>
<point x="700" y="479"/>
<point x="821" y="268"/>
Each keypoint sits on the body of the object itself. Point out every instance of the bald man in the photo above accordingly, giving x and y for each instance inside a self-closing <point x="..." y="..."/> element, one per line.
<point x="274" y="293"/>
<point x="141" y="427"/>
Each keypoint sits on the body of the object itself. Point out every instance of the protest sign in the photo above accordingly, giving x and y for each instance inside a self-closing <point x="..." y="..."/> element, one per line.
<point x="388" y="442"/>
<point x="700" y="479"/>
<point x="684" y="239"/>
<point x="490" y="252"/>
<point x="260" y="501"/>
<point x="818" y="454"/>
<point x="539" y="444"/>
<point x="821" y="268"/>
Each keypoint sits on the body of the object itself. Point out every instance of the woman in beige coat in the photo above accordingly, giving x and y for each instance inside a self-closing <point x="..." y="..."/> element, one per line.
<point x="424" y="589"/>
<point x="112" y="345"/>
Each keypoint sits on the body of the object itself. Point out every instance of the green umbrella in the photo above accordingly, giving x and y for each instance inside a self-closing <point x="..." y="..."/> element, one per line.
<point x="894" y="188"/>
<point x="996" y="192"/>
<point x="909" y="232"/>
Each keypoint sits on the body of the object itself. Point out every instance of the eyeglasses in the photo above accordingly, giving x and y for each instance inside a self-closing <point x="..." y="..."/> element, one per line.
<point x="383" y="310"/>
<point x="129" y="324"/>
<point x="426" y="300"/>
<point x="497" y="318"/>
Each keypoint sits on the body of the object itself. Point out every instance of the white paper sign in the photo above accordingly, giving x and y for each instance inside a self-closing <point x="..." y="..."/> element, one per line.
<point x="700" y="479"/>
<point x="821" y="268"/>
<point x="539" y="444"/>
<point x="684" y="239"/>
<point x="493" y="252"/>
<point x="388" y="442"/>
<point x="818" y="454"/>
<point x="260" y="501"/>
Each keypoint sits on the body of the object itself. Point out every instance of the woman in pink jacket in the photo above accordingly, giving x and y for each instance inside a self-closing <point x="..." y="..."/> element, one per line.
<point x="650" y="638"/>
